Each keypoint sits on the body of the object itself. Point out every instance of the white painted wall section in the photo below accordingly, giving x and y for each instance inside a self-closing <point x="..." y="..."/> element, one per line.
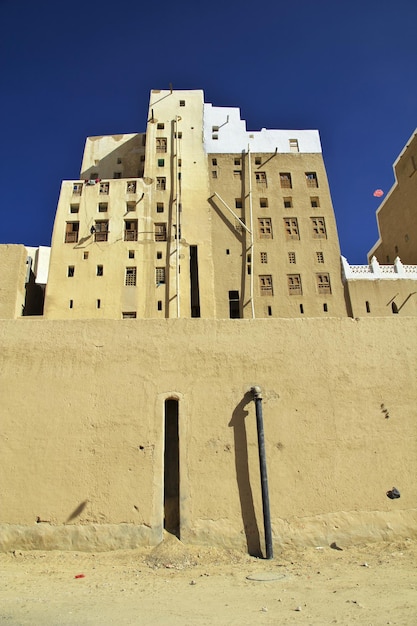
<point x="232" y="136"/>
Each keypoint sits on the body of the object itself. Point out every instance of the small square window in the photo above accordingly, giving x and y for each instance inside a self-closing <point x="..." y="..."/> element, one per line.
<point x="320" y="257"/>
<point x="99" y="270"/>
<point x="159" y="207"/>
<point x="291" y="257"/>
<point x="238" y="203"/>
<point x="264" y="257"/>
<point x="101" y="230"/>
<point x="131" y="254"/>
<point x="130" y="277"/>
<point x="117" y="174"/>
<point x="237" y="162"/>
<point x="214" y="162"/>
<point x="258" y="160"/>
<point x="161" y="162"/>
<point x="85" y="256"/>
<point x="160" y="126"/>
<point x="214" y="129"/>
<point x="214" y="136"/>
<point x="131" y="186"/>
<point x="159" y="255"/>
<point x="182" y="103"/>
<point x="260" y="178"/>
<point x="315" y="202"/>
<point x="74" y="208"/>
<point x="102" y="207"/>
<point x="104" y="188"/>
<point x="77" y="189"/>
<point x="161" y="183"/>
<point x="130" y="207"/>
<point x="237" y="174"/>
<point x="119" y="160"/>
<point x="178" y="135"/>
<point x="288" y="203"/>
<point x="71" y="271"/>
<point x="263" y="202"/>
<point x="214" y="174"/>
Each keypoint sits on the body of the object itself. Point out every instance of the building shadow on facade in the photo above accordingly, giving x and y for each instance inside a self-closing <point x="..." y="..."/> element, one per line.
<point x="243" y="478"/>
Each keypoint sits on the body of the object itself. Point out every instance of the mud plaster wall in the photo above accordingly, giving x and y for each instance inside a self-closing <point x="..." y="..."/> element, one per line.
<point x="81" y="440"/>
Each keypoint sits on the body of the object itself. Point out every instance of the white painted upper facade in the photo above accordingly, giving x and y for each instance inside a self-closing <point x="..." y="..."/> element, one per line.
<point x="225" y="132"/>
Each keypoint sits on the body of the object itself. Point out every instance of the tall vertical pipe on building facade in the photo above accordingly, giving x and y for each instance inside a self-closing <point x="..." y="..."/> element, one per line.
<point x="257" y="396"/>
<point x="251" y="234"/>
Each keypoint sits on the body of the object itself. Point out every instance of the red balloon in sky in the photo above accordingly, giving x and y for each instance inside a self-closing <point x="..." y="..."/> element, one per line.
<point x="378" y="193"/>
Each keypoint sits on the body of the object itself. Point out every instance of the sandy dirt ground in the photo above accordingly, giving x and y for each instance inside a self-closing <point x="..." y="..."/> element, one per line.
<point x="174" y="584"/>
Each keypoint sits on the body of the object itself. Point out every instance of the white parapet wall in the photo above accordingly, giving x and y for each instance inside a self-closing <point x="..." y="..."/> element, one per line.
<point x="225" y="132"/>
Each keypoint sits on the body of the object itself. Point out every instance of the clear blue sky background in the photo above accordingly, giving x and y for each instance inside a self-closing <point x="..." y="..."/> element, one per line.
<point x="73" y="69"/>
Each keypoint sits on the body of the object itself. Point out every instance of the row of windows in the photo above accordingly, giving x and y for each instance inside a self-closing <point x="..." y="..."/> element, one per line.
<point x="103" y="207"/>
<point x="294" y="284"/>
<point x="261" y="177"/>
<point x="291" y="229"/>
<point x="104" y="188"/>
<point x="100" y="231"/>
<point x="130" y="274"/>
<point x="264" y="202"/>
<point x="291" y="257"/>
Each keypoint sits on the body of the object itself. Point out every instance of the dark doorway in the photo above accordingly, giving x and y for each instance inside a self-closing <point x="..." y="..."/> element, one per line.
<point x="234" y="305"/>
<point x="171" y="469"/>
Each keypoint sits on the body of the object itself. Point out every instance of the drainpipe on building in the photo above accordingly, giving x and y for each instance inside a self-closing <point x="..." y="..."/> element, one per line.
<point x="257" y="397"/>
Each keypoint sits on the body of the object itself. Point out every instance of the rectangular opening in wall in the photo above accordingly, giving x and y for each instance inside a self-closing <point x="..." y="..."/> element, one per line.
<point x="85" y="255"/>
<point x="301" y="309"/>
<point x="318" y="225"/>
<point x="71" y="232"/>
<point x="263" y="202"/>
<point x="98" y="303"/>
<point x="131" y="254"/>
<point x="294" y="285"/>
<point x="131" y="186"/>
<point x="71" y="271"/>
<point x="269" y="310"/>
<point x="99" y="271"/>
<point x="102" y="207"/>
<point x="368" y="307"/>
<point x="130" y="277"/>
<point x="131" y="230"/>
<point x="315" y="202"/>
<point x="130" y="207"/>
<point x="265" y="285"/>
<point x="159" y="207"/>
<point x="234" y="305"/>
<point x="71" y="304"/>
<point x="171" y="468"/>
<point x="101" y="230"/>
<point x="285" y="180"/>
<point x="129" y="315"/>
<point x="325" y="307"/>
<point x="104" y="188"/>
<point x="161" y="144"/>
<point x="160" y="276"/>
<point x="294" y="145"/>
<point x="74" y="208"/>
<point x="311" y="179"/>
<point x="159" y="306"/>
<point x="194" y="282"/>
<point x="161" y="231"/>
<point x="323" y="283"/>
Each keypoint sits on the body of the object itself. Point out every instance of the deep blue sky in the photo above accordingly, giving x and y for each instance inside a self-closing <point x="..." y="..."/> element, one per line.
<point x="73" y="69"/>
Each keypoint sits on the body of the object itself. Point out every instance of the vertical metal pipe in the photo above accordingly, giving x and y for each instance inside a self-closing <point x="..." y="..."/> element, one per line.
<point x="257" y="396"/>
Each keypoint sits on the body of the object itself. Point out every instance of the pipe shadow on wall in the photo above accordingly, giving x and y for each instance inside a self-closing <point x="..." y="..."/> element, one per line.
<point x="242" y="476"/>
